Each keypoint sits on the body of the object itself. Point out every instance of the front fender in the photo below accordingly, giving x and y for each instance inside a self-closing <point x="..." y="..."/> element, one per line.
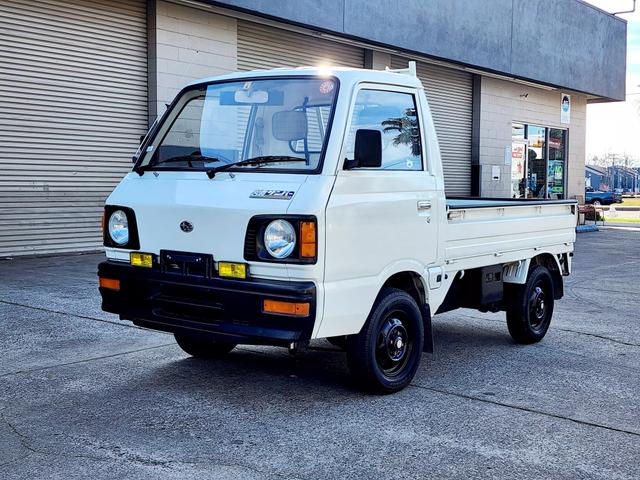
<point x="347" y="303"/>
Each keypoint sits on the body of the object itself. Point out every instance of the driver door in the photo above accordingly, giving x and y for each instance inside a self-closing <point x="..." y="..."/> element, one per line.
<point x="380" y="219"/>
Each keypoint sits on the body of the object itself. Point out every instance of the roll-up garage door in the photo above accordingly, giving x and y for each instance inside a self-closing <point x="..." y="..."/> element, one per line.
<point x="73" y="104"/>
<point x="261" y="47"/>
<point x="450" y="96"/>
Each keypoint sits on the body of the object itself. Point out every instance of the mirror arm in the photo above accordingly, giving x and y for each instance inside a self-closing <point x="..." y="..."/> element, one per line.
<point x="350" y="164"/>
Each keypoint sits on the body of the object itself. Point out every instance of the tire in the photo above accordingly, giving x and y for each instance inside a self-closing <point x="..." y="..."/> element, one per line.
<point x="596" y="203"/>
<point x="203" y="348"/>
<point x="531" y="307"/>
<point x="385" y="355"/>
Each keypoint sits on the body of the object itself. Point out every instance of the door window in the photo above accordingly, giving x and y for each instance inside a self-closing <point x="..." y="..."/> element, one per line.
<point x="394" y="114"/>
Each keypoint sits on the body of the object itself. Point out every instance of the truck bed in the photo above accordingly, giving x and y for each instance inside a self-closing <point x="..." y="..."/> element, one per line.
<point x="487" y="231"/>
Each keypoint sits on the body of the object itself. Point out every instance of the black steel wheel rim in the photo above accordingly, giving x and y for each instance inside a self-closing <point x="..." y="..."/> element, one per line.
<point x="538" y="306"/>
<point x="394" y="344"/>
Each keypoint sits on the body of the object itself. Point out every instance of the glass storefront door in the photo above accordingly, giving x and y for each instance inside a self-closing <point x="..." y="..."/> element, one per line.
<point x="541" y="171"/>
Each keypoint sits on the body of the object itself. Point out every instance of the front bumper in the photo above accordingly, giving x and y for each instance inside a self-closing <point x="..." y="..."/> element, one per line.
<point x="218" y="308"/>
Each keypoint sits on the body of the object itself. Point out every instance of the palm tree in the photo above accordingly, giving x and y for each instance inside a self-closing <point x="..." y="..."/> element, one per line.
<point x="407" y="128"/>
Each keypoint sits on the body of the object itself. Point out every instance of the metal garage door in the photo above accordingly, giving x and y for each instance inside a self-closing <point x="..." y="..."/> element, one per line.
<point x="450" y="95"/>
<point x="260" y="47"/>
<point x="73" y="103"/>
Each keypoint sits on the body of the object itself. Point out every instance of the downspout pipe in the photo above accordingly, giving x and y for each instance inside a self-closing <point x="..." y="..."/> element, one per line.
<point x="628" y="11"/>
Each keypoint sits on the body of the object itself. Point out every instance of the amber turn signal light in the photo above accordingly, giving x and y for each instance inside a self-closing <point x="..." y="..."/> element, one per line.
<point x="110" y="284"/>
<point x="286" y="308"/>
<point x="308" y="239"/>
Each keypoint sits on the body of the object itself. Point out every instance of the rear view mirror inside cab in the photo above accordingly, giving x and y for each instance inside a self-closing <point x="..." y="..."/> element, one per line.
<point x="252" y="97"/>
<point x="367" y="151"/>
<point x="247" y="96"/>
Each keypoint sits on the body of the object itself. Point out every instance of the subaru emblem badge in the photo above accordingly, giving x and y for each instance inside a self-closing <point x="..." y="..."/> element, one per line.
<point x="186" y="226"/>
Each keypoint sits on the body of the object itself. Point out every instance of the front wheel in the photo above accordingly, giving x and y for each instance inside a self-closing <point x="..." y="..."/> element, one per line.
<point x="531" y="307"/>
<point x="596" y="203"/>
<point x="202" y="347"/>
<point x="385" y="355"/>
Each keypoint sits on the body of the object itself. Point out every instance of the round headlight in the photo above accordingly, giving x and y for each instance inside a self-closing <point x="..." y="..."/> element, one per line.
<point x="279" y="238"/>
<point x="119" y="227"/>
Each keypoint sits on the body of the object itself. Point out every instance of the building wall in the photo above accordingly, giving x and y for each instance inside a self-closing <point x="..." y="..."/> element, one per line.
<point x="562" y="42"/>
<point x="501" y="104"/>
<point x="189" y="44"/>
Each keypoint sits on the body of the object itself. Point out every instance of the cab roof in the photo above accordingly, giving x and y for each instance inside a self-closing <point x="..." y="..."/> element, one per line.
<point x="344" y="74"/>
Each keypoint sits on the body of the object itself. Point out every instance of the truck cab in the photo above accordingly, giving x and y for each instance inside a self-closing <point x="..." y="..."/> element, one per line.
<point x="278" y="207"/>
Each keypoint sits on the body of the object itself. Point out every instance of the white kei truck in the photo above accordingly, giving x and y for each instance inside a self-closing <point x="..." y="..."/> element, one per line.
<point x="277" y="207"/>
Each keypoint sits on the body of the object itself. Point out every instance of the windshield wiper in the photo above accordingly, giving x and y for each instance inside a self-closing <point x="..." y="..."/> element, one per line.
<point x="253" y="161"/>
<point x="182" y="158"/>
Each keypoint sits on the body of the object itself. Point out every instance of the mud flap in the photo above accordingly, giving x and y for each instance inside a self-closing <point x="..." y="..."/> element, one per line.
<point x="428" y="331"/>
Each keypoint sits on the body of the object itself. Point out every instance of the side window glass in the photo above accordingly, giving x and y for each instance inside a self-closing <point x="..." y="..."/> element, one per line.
<point x="395" y="115"/>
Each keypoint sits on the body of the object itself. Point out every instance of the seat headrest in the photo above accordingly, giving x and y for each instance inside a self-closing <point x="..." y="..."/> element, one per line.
<point x="289" y="125"/>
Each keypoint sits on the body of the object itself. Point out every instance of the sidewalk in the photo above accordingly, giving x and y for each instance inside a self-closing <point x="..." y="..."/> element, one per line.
<point x="628" y="226"/>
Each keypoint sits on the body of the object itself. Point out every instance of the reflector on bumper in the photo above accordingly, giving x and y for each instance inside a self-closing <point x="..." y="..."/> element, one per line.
<point x="286" y="308"/>
<point x="110" y="283"/>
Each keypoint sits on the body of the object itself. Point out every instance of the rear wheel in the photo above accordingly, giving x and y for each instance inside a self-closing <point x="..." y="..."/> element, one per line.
<point x="385" y="355"/>
<point x="531" y="307"/>
<point x="203" y="348"/>
<point x="596" y="203"/>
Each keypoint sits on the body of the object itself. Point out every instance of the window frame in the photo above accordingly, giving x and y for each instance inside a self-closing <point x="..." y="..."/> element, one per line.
<point x="413" y="93"/>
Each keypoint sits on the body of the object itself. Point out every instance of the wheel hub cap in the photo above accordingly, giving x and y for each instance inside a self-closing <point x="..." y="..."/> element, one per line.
<point x="393" y="345"/>
<point x="537" y="306"/>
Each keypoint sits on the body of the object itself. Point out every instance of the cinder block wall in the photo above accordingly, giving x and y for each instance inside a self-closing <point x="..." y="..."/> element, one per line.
<point x="189" y="44"/>
<point x="503" y="103"/>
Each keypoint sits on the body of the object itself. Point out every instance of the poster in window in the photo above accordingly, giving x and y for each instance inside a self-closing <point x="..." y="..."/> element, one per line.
<point x="518" y="150"/>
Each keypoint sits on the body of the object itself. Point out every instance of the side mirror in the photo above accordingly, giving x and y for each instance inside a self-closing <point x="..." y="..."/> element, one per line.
<point x="368" y="150"/>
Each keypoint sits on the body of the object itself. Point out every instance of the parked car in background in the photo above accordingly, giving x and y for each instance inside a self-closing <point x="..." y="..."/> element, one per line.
<point x="596" y="197"/>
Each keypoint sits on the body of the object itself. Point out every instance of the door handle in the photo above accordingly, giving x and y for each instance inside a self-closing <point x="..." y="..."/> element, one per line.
<point x="424" y="205"/>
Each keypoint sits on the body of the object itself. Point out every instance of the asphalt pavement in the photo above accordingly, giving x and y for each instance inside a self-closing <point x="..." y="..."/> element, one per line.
<point x="84" y="395"/>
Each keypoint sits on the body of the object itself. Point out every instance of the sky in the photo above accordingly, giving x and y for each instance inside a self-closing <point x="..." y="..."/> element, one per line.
<point x="615" y="127"/>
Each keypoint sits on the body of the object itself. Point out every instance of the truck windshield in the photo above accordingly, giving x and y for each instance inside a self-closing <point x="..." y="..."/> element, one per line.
<point x="224" y="123"/>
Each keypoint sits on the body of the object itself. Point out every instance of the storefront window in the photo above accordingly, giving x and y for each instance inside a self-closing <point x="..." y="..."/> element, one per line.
<point x="517" y="131"/>
<point x="538" y="161"/>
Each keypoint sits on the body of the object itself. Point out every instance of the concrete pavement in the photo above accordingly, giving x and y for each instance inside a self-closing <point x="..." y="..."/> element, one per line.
<point x="85" y="395"/>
